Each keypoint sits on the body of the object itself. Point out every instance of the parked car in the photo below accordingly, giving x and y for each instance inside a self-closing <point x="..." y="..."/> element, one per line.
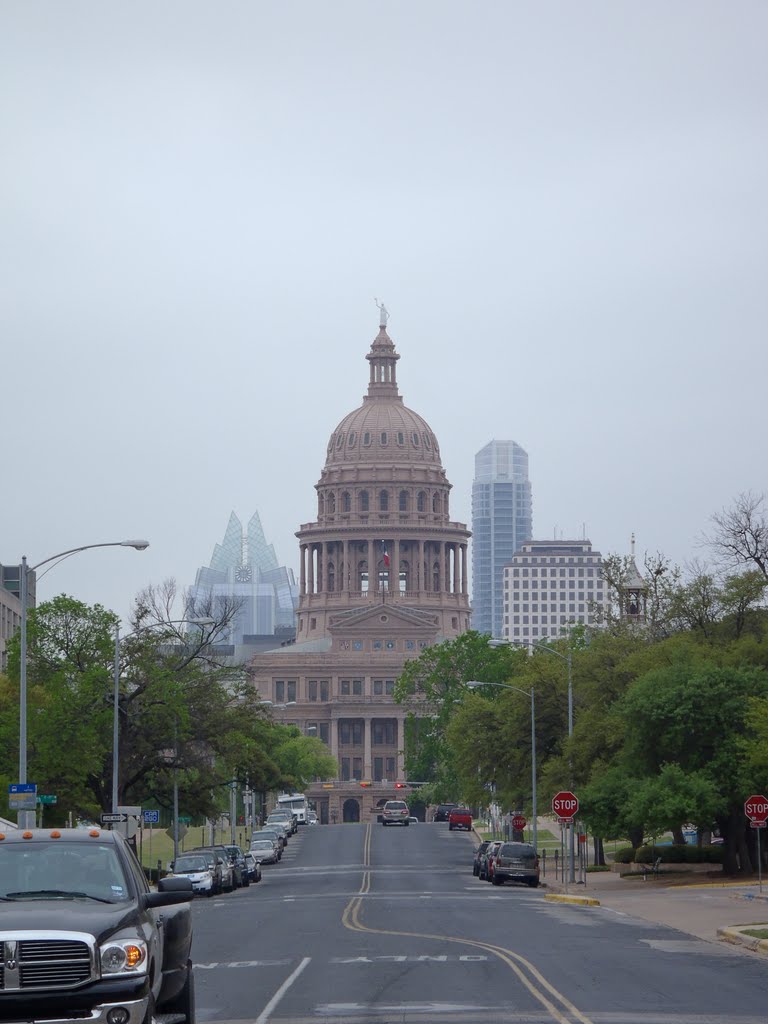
<point x="226" y="871"/>
<point x="479" y="851"/>
<point x="279" y="825"/>
<point x="290" y="820"/>
<point x="516" y="862"/>
<point x="199" y="869"/>
<point x="276" y="837"/>
<point x="460" y="817"/>
<point x="254" y="867"/>
<point x="413" y="820"/>
<point x="266" y="850"/>
<point x="442" y="812"/>
<point x="237" y="857"/>
<point x="311" y="818"/>
<point x="486" y="863"/>
<point x="75" y="904"/>
<point x="395" y="812"/>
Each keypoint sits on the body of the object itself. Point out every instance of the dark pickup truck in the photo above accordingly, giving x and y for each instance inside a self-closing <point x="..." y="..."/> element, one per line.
<point x="82" y="937"/>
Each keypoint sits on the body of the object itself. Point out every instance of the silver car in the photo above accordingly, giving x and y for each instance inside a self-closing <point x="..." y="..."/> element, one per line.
<point x="265" y="850"/>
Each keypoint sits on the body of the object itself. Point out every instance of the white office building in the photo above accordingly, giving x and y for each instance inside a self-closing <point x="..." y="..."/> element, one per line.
<point x="550" y="585"/>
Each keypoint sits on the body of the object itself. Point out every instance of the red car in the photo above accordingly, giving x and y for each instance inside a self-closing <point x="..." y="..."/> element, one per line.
<point x="460" y="817"/>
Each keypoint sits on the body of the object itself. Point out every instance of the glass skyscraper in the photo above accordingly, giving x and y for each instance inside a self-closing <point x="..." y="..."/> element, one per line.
<point x="502" y="520"/>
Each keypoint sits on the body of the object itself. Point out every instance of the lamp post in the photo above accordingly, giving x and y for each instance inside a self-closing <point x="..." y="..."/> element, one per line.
<point x="475" y="684"/>
<point x="138" y="545"/>
<point x="568" y="660"/>
<point x="116" y="723"/>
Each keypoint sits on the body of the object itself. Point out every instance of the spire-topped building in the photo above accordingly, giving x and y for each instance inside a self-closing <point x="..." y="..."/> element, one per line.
<point x="383" y="576"/>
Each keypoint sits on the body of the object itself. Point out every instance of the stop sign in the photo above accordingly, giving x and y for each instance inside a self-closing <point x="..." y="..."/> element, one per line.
<point x="565" y="804"/>
<point x="756" y="808"/>
<point x="518" y="822"/>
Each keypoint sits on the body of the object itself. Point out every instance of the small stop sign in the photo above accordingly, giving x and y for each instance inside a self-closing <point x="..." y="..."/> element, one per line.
<point x="518" y="822"/>
<point x="756" y="808"/>
<point x="565" y="804"/>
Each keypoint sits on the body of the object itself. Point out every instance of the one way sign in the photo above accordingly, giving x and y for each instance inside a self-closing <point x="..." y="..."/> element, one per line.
<point x="112" y="819"/>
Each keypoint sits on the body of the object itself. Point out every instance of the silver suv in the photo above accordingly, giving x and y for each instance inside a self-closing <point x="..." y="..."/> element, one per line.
<point x="395" y="812"/>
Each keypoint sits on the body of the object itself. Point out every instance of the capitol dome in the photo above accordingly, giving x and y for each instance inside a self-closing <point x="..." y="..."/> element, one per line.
<point x="383" y="429"/>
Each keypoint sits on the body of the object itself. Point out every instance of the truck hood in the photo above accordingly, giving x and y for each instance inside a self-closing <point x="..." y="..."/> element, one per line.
<point x="98" y="919"/>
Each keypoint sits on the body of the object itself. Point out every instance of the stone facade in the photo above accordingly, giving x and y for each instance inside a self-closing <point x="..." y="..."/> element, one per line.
<point x="383" y="575"/>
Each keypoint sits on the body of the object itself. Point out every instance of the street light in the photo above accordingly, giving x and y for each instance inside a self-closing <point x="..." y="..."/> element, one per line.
<point x="475" y="684"/>
<point x="568" y="660"/>
<point x="116" y="722"/>
<point x="138" y="545"/>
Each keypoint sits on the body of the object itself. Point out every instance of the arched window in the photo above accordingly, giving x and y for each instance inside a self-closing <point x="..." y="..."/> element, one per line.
<point x="421" y="502"/>
<point x="384" y="438"/>
<point x="367" y="438"/>
<point x="346" y="502"/>
<point x="340" y="440"/>
<point x="400" y="437"/>
<point x="331" y="503"/>
<point x="415" y="437"/>
<point x="363" y="501"/>
<point x="403" y="501"/>
<point x="427" y="442"/>
<point x="351" y="439"/>
<point x="436" y="576"/>
<point x="383" y="501"/>
<point x="435" y="502"/>
<point x="331" y="577"/>
<point x="321" y="504"/>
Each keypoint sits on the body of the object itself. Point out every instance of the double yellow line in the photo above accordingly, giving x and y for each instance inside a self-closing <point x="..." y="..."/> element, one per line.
<point x="542" y="990"/>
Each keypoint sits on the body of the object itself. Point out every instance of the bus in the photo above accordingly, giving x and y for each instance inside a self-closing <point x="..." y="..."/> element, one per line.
<point x="295" y="802"/>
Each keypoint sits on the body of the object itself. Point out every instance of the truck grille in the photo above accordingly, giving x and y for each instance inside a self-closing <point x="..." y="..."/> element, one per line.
<point x="39" y="962"/>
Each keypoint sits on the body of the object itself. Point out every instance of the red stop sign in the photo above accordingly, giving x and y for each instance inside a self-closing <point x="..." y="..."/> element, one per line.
<point x="565" y="804"/>
<point x="518" y="822"/>
<point x="756" y="808"/>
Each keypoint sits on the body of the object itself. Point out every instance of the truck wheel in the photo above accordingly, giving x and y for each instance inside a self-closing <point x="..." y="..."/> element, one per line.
<point x="185" y="1000"/>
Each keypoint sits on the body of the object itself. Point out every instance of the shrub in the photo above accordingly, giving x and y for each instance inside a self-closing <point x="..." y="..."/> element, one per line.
<point x="591" y="868"/>
<point x="684" y="854"/>
<point x="624" y="855"/>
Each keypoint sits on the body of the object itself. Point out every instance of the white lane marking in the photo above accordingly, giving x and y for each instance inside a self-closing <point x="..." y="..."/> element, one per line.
<point x="242" y="963"/>
<point x="610" y="910"/>
<point x="327" y="1009"/>
<point x="264" y="1015"/>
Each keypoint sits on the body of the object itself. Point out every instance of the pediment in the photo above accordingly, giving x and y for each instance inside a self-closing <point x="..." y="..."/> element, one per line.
<point x="384" y="621"/>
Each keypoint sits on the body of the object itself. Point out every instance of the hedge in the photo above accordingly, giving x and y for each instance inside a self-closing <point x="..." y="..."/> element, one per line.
<point x="624" y="855"/>
<point x="679" y="854"/>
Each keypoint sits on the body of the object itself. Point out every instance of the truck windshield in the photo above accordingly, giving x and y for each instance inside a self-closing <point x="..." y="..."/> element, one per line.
<point x="61" y="870"/>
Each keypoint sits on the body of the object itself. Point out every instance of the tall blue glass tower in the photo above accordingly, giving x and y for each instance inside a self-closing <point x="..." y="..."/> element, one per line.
<point x="502" y="520"/>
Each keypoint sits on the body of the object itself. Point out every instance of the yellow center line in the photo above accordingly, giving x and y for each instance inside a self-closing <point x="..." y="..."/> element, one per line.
<point x="351" y="920"/>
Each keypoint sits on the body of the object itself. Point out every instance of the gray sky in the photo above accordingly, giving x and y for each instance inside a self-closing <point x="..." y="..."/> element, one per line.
<point x="562" y="205"/>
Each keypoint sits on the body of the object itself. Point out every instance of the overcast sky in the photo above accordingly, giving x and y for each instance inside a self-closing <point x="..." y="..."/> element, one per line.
<point x="563" y="206"/>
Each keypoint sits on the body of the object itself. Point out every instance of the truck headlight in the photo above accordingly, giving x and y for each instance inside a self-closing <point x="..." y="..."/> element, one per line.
<point x="123" y="956"/>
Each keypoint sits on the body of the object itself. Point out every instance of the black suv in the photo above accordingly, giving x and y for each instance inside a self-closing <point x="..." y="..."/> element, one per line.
<point x="442" y="812"/>
<point x="81" y="935"/>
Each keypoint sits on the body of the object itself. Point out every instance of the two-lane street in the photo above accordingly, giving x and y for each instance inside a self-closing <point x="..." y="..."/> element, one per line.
<point x="365" y="923"/>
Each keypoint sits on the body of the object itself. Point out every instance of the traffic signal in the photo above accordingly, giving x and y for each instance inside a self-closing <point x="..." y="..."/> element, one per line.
<point x="400" y="785"/>
<point x="365" y="785"/>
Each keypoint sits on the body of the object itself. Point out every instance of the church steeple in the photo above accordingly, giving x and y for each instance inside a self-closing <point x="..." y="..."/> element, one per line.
<point x="383" y="360"/>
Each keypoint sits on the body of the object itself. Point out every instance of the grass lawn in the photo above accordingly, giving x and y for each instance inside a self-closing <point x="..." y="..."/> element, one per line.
<point x="162" y="844"/>
<point x="756" y="933"/>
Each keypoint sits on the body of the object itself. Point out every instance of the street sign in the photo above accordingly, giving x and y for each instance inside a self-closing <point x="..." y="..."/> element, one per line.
<point x="756" y="808"/>
<point x="47" y="799"/>
<point x="151" y="817"/>
<point x="184" y="821"/>
<point x="518" y="822"/>
<point x="758" y="824"/>
<point x="22" y="787"/>
<point x="22" y="796"/>
<point x="565" y="805"/>
<point x="113" y="819"/>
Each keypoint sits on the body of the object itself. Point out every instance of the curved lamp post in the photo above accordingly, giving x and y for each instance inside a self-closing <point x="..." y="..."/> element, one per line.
<point x="475" y="684"/>
<point x="138" y="545"/>
<point x="568" y="660"/>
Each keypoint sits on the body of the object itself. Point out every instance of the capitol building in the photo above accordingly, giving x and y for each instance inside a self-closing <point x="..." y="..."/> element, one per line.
<point x="383" y="575"/>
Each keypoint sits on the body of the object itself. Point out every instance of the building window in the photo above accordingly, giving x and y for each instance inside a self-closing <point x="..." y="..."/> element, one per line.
<point x="291" y="690"/>
<point x="378" y="769"/>
<point x="367" y="438"/>
<point x="345" y="769"/>
<point x="403" y="501"/>
<point x="421" y="502"/>
<point x="357" y="768"/>
<point x="390" y="762"/>
<point x="351" y="732"/>
<point x="384" y="732"/>
<point x="384" y="438"/>
<point x="400" y="437"/>
<point x="415" y="438"/>
<point x="324" y="733"/>
<point x="324" y="690"/>
<point x="383" y="501"/>
<point x="346" y="502"/>
<point x="383" y="686"/>
<point x="351" y="439"/>
<point x="339" y="440"/>
<point x="312" y="689"/>
<point x="363" y="501"/>
<point x="280" y="691"/>
<point x="313" y="623"/>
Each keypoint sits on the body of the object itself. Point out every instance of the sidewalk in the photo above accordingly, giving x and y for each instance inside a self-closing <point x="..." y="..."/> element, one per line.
<point x="701" y="909"/>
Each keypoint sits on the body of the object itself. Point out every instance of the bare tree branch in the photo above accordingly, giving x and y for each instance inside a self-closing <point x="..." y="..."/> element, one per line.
<point x="741" y="533"/>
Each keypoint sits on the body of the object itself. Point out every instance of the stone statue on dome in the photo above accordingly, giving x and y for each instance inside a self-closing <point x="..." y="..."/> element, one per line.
<point x="383" y="313"/>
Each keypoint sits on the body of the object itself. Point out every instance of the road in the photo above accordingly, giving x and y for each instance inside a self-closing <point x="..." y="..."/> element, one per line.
<point x="361" y="923"/>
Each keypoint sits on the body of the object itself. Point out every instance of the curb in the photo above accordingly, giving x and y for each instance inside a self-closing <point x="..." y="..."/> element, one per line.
<point x="737" y="938"/>
<point x="580" y="901"/>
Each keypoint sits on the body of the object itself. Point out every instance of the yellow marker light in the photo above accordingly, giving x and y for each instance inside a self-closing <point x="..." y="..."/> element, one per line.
<point x="94" y="832"/>
<point x="133" y="956"/>
<point x="55" y="835"/>
<point x="2" y="835"/>
<point x="26" y="835"/>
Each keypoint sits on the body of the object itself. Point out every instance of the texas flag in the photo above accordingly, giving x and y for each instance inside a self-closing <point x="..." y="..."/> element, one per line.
<point x="384" y="554"/>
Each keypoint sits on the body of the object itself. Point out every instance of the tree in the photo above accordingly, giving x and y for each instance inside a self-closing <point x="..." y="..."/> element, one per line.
<point x="740" y="535"/>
